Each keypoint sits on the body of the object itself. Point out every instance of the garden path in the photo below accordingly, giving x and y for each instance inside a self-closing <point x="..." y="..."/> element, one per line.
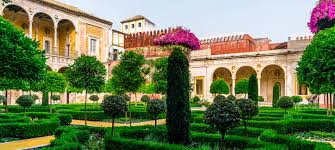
<point x="43" y="141"/>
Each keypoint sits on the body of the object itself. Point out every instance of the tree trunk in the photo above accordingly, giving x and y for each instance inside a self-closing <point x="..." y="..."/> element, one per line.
<point x="50" y="101"/>
<point x="245" y="129"/>
<point x="113" y="126"/>
<point x="67" y="97"/>
<point x="6" y="102"/>
<point x="331" y="104"/>
<point x="85" y="107"/>
<point x="223" y="133"/>
<point x="155" y="122"/>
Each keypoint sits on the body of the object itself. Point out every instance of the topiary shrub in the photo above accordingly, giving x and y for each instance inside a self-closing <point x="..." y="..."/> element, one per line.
<point x="285" y="102"/>
<point x="94" y="98"/>
<point x="178" y="106"/>
<point x="156" y="107"/>
<point x="25" y="101"/>
<point x="45" y="98"/>
<point x="125" y="97"/>
<point x="296" y="99"/>
<point x="275" y="94"/>
<point x="223" y="115"/>
<point x="196" y="100"/>
<point x="248" y="110"/>
<point x="253" y="88"/>
<point x="231" y="98"/>
<point x="219" y="98"/>
<point x="3" y="99"/>
<point x="219" y="86"/>
<point x="145" y="99"/>
<point x="260" y="98"/>
<point x="114" y="106"/>
<point x="35" y="97"/>
<point x="241" y="87"/>
<point x="55" y="97"/>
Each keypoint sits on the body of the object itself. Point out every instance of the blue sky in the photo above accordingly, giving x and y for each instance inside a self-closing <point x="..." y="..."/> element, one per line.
<point x="276" y="19"/>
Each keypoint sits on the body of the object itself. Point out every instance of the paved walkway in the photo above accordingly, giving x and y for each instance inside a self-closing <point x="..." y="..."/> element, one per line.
<point x="108" y="124"/>
<point x="43" y="141"/>
<point x="27" y="143"/>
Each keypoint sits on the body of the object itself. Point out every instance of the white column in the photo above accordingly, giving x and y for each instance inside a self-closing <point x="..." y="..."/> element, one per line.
<point x="55" y="40"/>
<point x="233" y="86"/>
<point x="259" y="85"/>
<point x="31" y="28"/>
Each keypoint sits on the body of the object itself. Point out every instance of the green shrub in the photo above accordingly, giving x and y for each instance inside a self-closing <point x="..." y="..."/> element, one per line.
<point x="260" y="98"/>
<point x="178" y="92"/>
<point x="145" y="99"/>
<point x="253" y="88"/>
<point x="2" y="99"/>
<point x="219" y="86"/>
<point x="241" y="86"/>
<point x="275" y="94"/>
<point x="25" y="101"/>
<point x="156" y="107"/>
<point x="219" y="98"/>
<point x="35" y="97"/>
<point x="292" y="143"/>
<point x="285" y="102"/>
<point x="55" y="97"/>
<point x="231" y="98"/>
<point x="248" y="110"/>
<point x="297" y="99"/>
<point x="94" y="98"/>
<point x="195" y="100"/>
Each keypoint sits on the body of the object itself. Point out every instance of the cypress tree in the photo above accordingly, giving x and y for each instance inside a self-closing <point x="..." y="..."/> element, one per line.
<point x="275" y="96"/>
<point x="253" y="88"/>
<point x="178" y="108"/>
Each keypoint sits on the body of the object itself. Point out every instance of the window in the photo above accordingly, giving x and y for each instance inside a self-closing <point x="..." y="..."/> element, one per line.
<point x="126" y="27"/>
<point x="47" y="47"/>
<point x="133" y="26"/>
<point x="93" y="45"/>
<point x="139" y="25"/>
<point x="115" y="54"/>
<point x="199" y="86"/>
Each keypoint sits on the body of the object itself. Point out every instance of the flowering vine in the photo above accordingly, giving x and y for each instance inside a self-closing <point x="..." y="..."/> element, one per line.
<point x="323" y="15"/>
<point x="181" y="37"/>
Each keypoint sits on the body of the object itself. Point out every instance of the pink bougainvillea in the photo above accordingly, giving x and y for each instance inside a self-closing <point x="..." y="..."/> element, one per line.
<point x="181" y="37"/>
<point x="325" y="9"/>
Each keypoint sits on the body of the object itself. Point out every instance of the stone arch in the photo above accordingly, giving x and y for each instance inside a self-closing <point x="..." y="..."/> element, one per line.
<point x="18" y="16"/>
<point x="66" y="30"/>
<point x="269" y="76"/>
<point x="62" y="70"/>
<point x="44" y="31"/>
<point x="223" y="73"/>
<point x="244" y="72"/>
<point x="49" y="68"/>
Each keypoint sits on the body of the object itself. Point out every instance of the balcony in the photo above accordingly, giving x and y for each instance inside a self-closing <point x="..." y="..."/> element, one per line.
<point x="57" y="61"/>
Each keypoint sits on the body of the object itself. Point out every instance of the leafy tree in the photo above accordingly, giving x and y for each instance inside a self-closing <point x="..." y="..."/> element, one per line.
<point x="87" y="73"/>
<point x="156" y="107"/>
<point x="285" y="102"/>
<point x="223" y="115"/>
<point x="160" y="75"/>
<point x="52" y="82"/>
<point x="127" y="76"/>
<point x="3" y="98"/>
<point x="316" y="67"/>
<point x="35" y="97"/>
<point x="241" y="87"/>
<point x="145" y="99"/>
<point x="25" y="101"/>
<point x="114" y="106"/>
<point x="178" y="91"/>
<point x="12" y="84"/>
<point x="248" y="110"/>
<point x="219" y="86"/>
<point x="94" y="98"/>
<point x="253" y="88"/>
<point x="275" y="95"/>
<point x="29" y="64"/>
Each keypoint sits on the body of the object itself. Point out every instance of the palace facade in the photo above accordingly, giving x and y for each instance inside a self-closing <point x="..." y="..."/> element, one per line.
<point x="66" y="32"/>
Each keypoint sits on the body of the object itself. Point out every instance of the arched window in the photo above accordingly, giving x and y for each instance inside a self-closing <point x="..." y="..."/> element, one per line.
<point x="47" y="46"/>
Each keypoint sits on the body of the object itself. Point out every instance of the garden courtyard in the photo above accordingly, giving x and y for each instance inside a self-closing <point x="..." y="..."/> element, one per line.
<point x="151" y="103"/>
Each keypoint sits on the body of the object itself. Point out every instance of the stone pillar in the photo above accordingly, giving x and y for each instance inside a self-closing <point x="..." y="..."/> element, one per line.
<point x="259" y="85"/>
<point x="31" y="28"/>
<point x="233" y="85"/>
<point x="55" y="40"/>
